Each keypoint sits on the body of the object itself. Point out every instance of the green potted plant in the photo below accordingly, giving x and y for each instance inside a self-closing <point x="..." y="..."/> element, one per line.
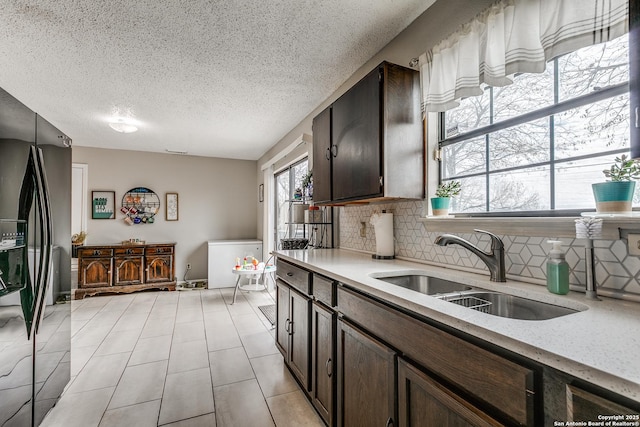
<point x="615" y="195"/>
<point x="444" y="193"/>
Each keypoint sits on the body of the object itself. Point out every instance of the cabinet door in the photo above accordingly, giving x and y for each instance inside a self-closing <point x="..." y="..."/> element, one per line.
<point x="322" y="361"/>
<point x="159" y="268"/>
<point x="584" y="406"/>
<point x="299" y="336"/>
<point x="94" y="273"/>
<point x="282" y="317"/>
<point x="128" y="270"/>
<point x="366" y="379"/>
<point x="322" y="157"/>
<point x="357" y="161"/>
<point x="424" y="402"/>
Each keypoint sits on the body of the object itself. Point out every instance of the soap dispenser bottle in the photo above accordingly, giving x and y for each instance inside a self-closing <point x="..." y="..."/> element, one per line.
<point x="557" y="270"/>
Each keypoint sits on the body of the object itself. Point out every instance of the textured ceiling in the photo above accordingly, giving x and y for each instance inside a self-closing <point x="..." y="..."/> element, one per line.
<point x="214" y="78"/>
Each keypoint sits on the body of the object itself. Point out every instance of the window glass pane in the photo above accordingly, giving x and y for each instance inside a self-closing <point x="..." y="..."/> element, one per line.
<point x="472" y="113"/>
<point x="593" y="128"/>
<point x="299" y="171"/>
<point x="519" y="145"/>
<point x="282" y="204"/>
<point x="529" y="92"/>
<point x="464" y="158"/>
<point x="594" y="67"/>
<point x="521" y="190"/>
<point x="472" y="196"/>
<point x="573" y="182"/>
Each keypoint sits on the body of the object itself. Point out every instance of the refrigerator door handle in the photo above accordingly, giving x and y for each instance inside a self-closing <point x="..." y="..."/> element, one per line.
<point x="32" y="297"/>
<point x="46" y="245"/>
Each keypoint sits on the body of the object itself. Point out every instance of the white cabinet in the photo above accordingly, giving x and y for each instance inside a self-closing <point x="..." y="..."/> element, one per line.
<point x="222" y="258"/>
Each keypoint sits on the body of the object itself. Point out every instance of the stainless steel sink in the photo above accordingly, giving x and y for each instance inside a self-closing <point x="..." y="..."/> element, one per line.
<point x="494" y="303"/>
<point x="426" y="284"/>
<point x="510" y="306"/>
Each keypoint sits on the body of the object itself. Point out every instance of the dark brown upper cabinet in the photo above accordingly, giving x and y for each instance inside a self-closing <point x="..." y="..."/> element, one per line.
<point x="369" y="145"/>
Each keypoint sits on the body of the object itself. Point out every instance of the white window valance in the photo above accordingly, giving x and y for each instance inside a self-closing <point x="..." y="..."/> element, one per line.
<point x="514" y="36"/>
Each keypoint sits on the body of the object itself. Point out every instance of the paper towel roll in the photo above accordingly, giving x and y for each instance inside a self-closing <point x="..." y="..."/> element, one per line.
<point x="383" y="228"/>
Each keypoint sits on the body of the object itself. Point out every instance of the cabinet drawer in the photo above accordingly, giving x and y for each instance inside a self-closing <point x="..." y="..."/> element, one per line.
<point x="155" y="250"/>
<point x="94" y="252"/>
<point x="129" y="251"/>
<point x="294" y="276"/>
<point x="323" y="290"/>
<point x="505" y="385"/>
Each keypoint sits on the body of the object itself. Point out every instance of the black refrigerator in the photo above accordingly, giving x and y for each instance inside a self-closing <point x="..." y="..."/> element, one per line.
<point x="35" y="264"/>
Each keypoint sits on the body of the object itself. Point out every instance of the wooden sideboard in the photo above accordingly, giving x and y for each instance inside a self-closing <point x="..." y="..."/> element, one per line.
<point x="124" y="268"/>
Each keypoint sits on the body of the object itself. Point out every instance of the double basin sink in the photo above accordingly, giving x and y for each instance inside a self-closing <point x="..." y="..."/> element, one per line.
<point x="490" y="302"/>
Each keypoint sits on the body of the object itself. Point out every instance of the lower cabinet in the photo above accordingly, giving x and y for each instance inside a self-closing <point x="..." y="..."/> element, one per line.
<point x="159" y="260"/>
<point x="363" y="362"/>
<point x="422" y="401"/>
<point x="292" y="330"/>
<point x="95" y="272"/>
<point x="129" y="266"/>
<point x="323" y="326"/>
<point x="583" y="406"/>
<point x="366" y="379"/>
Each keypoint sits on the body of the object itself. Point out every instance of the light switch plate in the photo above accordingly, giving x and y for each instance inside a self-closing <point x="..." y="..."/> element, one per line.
<point x="634" y="244"/>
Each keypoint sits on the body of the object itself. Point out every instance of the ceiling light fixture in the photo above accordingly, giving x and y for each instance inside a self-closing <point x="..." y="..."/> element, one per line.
<point x="122" y="125"/>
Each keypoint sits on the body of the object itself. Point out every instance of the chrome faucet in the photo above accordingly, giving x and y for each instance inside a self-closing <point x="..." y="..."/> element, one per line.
<point x="493" y="259"/>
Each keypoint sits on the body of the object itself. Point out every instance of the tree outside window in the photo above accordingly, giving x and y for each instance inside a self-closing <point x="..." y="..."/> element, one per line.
<point x="539" y="143"/>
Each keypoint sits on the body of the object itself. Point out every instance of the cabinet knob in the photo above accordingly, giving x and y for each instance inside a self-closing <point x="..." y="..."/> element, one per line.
<point x="389" y="422"/>
<point x="329" y="366"/>
<point x="290" y="274"/>
<point x="286" y="325"/>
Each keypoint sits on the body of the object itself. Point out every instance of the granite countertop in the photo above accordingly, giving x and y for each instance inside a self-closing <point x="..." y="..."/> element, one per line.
<point x="599" y="344"/>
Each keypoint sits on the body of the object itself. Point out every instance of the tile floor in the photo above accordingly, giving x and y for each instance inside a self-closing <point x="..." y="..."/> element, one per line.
<point x="185" y="359"/>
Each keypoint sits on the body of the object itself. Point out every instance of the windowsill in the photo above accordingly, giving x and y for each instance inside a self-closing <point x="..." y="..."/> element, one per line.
<point x="613" y="228"/>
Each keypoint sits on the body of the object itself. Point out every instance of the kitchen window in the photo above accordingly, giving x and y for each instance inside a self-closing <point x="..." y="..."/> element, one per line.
<point x="287" y="183"/>
<point x="537" y="145"/>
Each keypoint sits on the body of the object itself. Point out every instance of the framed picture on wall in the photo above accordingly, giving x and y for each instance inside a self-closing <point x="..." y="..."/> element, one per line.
<point x="103" y="204"/>
<point x="172" y="207"/>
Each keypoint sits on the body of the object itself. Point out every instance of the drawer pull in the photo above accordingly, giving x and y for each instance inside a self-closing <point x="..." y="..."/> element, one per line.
<point x="286" y="325"/>
<point x="290" y="274"/>
<point x="96" y="253"/>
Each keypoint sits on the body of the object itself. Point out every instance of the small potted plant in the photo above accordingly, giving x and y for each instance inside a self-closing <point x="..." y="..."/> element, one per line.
<point x="307" y="184"/>
<point x="444" y="193"/>
<point x="616" y="194"/>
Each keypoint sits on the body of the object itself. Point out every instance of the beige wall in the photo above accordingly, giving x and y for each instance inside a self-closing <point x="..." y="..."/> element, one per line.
<point x="435" y="24"/>
<point x="217" y="199"/>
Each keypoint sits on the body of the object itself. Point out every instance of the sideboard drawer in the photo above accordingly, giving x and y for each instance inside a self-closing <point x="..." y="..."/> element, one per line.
<point x="158" y="250"/>
<point x="126" y="251"/>
<point x="94" y="252"/>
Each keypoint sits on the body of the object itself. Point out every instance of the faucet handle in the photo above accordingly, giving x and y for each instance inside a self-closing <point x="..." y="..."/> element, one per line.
<point x="496" y="242"/>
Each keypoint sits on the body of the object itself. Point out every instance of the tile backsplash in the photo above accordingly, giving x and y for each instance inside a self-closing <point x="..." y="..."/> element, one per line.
<point x="617" y="272"/>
